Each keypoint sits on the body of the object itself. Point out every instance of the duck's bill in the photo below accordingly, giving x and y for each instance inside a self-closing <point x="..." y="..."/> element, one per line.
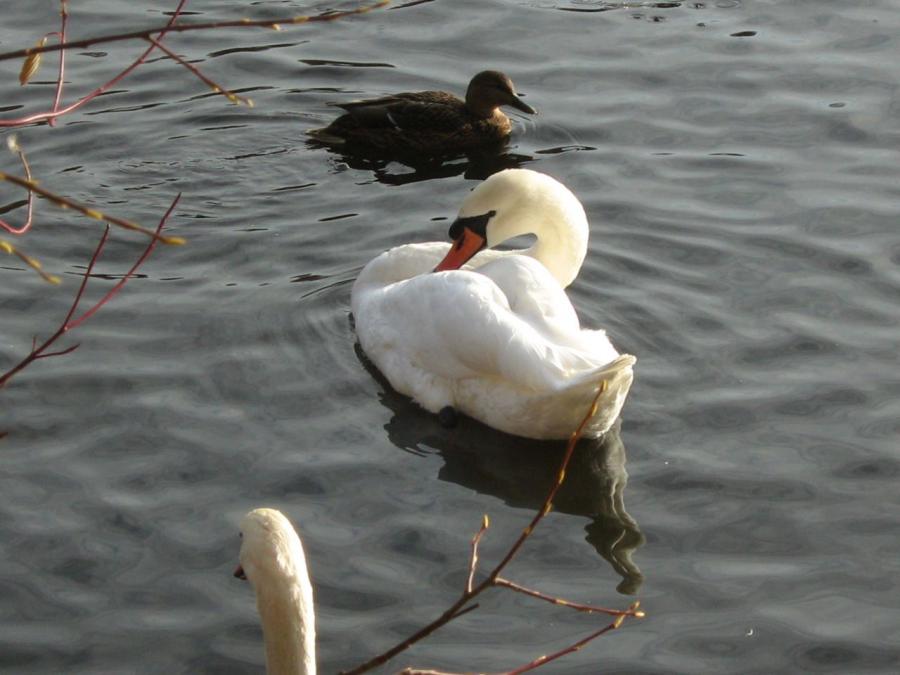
<point x="519" y="104"/>
<point x="463" y="248"/>
<point x="239" y="573"/>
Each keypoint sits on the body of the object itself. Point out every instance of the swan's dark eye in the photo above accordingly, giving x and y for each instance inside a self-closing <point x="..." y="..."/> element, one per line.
<point x="478" y="225"/>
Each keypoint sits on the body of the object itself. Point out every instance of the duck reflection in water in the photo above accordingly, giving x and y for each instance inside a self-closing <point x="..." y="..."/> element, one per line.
<point x="520" y="472"/>
<point x="473" y="165"/>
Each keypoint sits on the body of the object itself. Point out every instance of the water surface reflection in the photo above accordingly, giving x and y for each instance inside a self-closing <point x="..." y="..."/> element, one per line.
<point x="402" y="170"/>
<point x="520" y="472"/>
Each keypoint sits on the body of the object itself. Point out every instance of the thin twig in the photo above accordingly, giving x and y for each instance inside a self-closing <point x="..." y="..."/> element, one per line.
<point x="64" y="19"/>
<point x="61" y="352"/>
<point x="274" y="24"/>
<point x="130" y="273"/>
<point x="6" y="247"/>
<point x="542" y="660"/>
<point x="56" y="112"/>
<point x="537" y="663"/>
<point x="473" y="561"/>
<point x="66" y="203"/>
<point x="470" y="592"/>
<point x="14" y="146"/>
<point x="560" y="478"/>
<point x="217" y="88"/>
<point x="39" y="352"/>
<point x="590" y="609"/>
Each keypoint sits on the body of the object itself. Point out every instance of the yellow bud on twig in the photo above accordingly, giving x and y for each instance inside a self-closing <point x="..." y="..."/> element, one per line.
<point x="31" y="65"/>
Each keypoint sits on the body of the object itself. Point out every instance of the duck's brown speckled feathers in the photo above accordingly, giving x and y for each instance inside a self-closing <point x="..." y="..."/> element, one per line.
<point x="427" y="121"/>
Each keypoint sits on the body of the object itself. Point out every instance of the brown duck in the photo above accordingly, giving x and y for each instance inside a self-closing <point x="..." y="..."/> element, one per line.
<point x="427" y="121"/>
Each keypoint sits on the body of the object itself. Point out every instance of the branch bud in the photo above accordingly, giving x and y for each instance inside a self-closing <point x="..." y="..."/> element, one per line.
<point x="31" y="65"/>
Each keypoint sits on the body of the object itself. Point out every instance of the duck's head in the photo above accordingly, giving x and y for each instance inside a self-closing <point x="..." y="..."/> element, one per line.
<point x="516" y="202"/>
<point x="270" y="547"/>
<point x="490" y="89"/>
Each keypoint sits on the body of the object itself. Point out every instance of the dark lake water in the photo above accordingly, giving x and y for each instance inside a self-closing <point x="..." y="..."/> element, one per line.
<point x="738" y="162"/>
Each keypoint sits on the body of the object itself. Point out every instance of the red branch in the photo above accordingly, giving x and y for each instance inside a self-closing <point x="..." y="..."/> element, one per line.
<point x="49" y="116"/>
<point x="547" y="658"/>
<point x="66" y="203"/>
<point x="217" y="88"/>
<point x="589" y="609"/>
<point x="64" y="14"/>
<point x="493" y="579"/>
<point x="540" y="661"/>
<point x="40" y="352"/>
<point x="28" y="215"/>
<point x="274" y="23"/>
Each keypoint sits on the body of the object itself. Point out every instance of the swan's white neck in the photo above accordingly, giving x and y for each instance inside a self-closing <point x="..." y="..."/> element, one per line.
<point x="288" y="622"/>
<point x="527" y="202"/>
<point x="560" y="248"/>
<point x="272" y="559"/>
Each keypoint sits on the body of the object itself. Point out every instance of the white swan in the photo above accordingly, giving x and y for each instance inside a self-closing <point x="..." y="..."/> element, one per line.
<point x="498" y="339"/>
<point x="272" y="560"/>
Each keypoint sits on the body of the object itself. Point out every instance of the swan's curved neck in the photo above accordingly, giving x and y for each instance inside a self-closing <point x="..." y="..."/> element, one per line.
<point x="518" y="201"/>
<point x="561" y="249"/>
<point x="560" y="227"/>
<point x="288" y="619"/>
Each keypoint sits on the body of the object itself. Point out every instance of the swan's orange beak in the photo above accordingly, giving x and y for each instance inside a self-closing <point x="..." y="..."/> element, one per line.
<point x="239" y="573"/>
<point x="465" y="246"/>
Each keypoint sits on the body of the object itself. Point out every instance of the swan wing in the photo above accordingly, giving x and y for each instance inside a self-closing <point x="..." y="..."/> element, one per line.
<point x="460" y="324"/>
<point x="428" y="110"/>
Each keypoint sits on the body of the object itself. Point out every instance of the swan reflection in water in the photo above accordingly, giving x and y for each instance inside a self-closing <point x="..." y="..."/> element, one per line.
<point x="520" y="472"/>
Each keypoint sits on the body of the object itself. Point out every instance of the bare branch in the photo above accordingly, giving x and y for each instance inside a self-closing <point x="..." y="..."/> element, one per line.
<point x="454" y="610"/>
<point x="227" y="93"/>
<point x="65" y="203"/>
<point x="14" y="147"/>
<point x="61" y="352"/>
<point x="61" y="75"/>
<point x="40" y="351"/>
<point x="6" y="247"/>
<point x="130" y="273"/>
<point x="473" y="562"/>
<point x="590" y="609"/>
<point x="537" y="663"/>
<point x="274" y="24"/>
<point x="49" y="117"/>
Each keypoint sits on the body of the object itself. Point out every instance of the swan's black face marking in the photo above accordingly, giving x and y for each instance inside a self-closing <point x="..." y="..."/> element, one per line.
<point x="469" y="236"/>
<point x="477" y="224"/>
